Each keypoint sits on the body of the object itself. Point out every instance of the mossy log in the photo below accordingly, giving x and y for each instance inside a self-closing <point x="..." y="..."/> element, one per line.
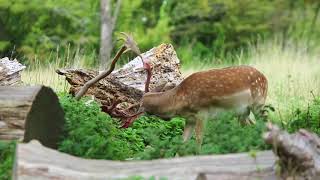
<point x="30" y="112"/>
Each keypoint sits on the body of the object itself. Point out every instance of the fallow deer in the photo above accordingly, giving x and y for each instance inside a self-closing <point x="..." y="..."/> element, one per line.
<point x="204" y="94"/>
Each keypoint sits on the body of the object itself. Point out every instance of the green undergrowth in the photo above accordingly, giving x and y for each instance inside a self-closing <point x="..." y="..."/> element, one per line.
<point x="6" y="159"/>
<point x="91" y="133"/>
<point x="307" y="118"/>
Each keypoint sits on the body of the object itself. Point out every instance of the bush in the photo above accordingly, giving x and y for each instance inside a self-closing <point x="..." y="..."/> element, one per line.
<point x="226" y="135"/>
<point x="6" y="159"/>
<point x="91" y="133"/>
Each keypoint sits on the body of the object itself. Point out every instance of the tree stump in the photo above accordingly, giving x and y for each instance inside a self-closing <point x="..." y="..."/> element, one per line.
<point x="127" y="83"/>
<point x="28" y="113"/>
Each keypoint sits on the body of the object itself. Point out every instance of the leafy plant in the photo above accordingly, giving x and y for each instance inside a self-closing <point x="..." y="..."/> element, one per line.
<point x="91" y="133"/>
<point x="6" y="159"/>
<point x="308" y="118"/>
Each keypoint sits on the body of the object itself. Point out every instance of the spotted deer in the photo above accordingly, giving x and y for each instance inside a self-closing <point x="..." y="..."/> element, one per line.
<point x="201" y="96"/>
<point x="204" y="94"/>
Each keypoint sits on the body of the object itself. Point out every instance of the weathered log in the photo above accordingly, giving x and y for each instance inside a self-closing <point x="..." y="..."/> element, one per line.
<point x="127" y="83"/>
<point x="10" y="72"/>
<point x="31" y="112"/>
<point x="298" y="153"/>
<point x="37" y="162"/>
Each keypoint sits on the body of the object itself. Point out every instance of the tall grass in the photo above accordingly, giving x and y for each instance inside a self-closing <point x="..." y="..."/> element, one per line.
<point x="293" y="72"/>
<point x="42" y="71"/>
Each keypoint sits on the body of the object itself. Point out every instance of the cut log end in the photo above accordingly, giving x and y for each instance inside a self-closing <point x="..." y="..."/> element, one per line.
<point x="30" y="113"/>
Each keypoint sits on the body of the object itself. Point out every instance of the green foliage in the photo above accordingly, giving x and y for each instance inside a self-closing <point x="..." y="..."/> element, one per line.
<point x="6" y="159"/>
<point x="91" y="133"/>
<point x="202" y="28"/>
<point x="227" y="135"/>
<point x="308" y="118"/>
<point x="39" y="27"/>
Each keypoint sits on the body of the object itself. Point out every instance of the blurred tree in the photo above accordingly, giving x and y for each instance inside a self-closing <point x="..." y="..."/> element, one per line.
<point x="108" y="22"/>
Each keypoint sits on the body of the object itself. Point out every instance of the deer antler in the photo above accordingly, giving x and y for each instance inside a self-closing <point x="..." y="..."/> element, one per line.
<point x="129" y="44"/>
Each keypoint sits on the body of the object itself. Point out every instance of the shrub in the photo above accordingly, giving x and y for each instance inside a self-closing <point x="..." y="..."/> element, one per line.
<point x="221" y="136"/>
<point x="226" y="135"/>
<point x="91" y="133"/>
<point x="308" y="118"/>
<point x="6" y="159"/>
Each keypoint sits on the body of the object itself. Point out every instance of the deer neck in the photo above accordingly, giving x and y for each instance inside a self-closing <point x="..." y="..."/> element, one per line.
<point x="161" y="104"/>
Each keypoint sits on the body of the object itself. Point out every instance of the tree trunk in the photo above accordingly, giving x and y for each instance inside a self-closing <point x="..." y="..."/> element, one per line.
<point x="37" y="162"/>
<point x="28" y="113"/>
<point x="106" y="33"/>
<point x="108" y="22"/>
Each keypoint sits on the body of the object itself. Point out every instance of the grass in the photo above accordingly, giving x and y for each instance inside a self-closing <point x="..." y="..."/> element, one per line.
<point x="40" y="71"/>
<point x="293" y="74"/>
<point x="291" y="70"/>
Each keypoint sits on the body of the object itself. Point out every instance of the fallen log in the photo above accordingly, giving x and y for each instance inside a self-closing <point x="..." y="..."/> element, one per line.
<point x="32" y="162"/>
<point x="126" y="85"/>
<point x="31" y="112"/>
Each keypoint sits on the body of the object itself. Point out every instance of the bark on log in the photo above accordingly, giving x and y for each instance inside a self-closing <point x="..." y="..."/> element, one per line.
<point x="298" y="153"/>
<point x="31" y="112"/>
<point x="127" y="83"/>
<point x="32" y="162"/>
<point x="10" y="72"/>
